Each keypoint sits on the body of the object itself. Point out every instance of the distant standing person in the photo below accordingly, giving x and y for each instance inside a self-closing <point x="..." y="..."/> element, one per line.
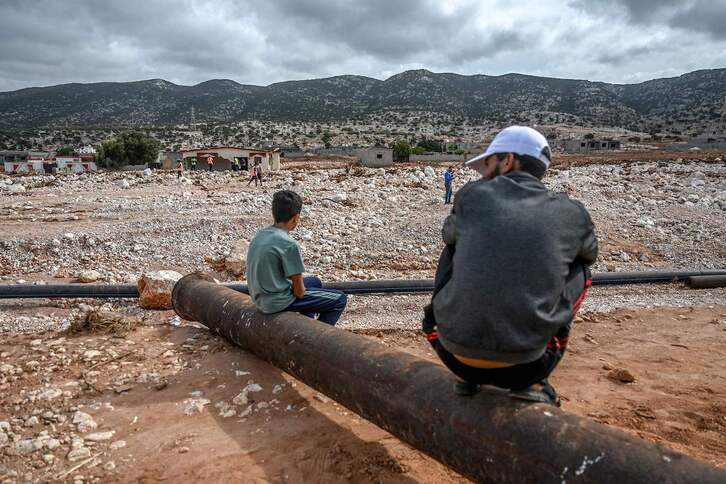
<point x="253" y="175"/>
<point x="448" y="181"/>
<point x="259" y="173"/>
<point x="179" y="168"/>
<point x="194" y="164"/>
<point x="210" y="162"/>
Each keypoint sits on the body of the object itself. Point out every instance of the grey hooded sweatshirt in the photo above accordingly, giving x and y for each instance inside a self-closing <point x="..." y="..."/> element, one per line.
<point x="512" y="245"/>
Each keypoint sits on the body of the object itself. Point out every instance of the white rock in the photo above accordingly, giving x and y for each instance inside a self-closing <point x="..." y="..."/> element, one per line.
<point x="89" y="276"/>
<point x="240" y="399"/>
<point x="88" y="355"/>
<point x="78" y="454"/>
<point x="194" y="405"/>
<point x="49" y="394"/>
<point x="428" y="171"/>
<point x="147" y="172"/>
<point x="16" y="188"/>
<point x="125" y="184"/>
<point x="100" y="436"/>
<point x="25" y="446"/>
<point x="32" y="421"/>
<point x="339" y="197"/>
<point x="252" y="387"/>
<point x="83" y="421"/>
<point x="119" y="444"/>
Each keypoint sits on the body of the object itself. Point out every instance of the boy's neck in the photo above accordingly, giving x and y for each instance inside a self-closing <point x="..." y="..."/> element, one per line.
<point x="282" y="226"/>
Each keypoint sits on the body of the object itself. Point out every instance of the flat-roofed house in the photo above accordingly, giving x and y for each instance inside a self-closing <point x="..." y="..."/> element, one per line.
<point x="224" y="157"/>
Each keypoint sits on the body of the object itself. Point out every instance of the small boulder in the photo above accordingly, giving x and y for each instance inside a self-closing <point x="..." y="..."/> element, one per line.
<point x="16" y="188"/>
<point x="83" y="421"/>
<point x="428" y="171"/>
<point x="89" y="276"/>
<point x="155" y="289"/>
<point x="621" y="375"/>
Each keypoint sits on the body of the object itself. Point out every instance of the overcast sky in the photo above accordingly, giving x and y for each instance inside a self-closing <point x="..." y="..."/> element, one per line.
<point x="47" y="42"/>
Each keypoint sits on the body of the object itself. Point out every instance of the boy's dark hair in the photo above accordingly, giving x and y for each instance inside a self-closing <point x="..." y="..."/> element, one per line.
<point x="530" y="164"/>
<point x="285" y="205"/>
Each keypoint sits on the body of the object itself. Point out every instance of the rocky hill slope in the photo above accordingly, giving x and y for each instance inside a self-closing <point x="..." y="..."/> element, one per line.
<point x="696" y="97"/>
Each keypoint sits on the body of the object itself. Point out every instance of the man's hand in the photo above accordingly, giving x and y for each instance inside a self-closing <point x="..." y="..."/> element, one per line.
<point x="298" y="286"/>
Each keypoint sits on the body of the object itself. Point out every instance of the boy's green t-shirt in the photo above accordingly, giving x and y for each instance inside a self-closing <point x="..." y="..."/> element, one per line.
<point x="272" y="257"/>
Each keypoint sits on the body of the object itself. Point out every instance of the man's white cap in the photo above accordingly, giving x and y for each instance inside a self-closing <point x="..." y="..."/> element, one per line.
<point x="520" y="140"/>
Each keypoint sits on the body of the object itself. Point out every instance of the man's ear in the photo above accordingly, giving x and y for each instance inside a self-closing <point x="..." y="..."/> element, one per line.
<point x="510" y="163"/>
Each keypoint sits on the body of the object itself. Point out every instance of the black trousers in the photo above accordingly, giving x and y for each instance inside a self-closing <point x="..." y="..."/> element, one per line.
<point x="524" y="375"/>
<point x="515" y="377"/>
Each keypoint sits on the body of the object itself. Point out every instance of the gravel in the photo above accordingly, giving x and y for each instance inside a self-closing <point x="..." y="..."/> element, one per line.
<point x="359" y="224"/>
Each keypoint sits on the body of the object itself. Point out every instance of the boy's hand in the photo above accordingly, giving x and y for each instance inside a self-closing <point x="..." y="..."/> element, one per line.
<point x="298" y="285"/>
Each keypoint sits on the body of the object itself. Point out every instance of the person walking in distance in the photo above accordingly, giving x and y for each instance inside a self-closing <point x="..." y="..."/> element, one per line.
<point x="448" y="182"/>
<point x="194" y="164"/>
<point x="179" y="168"/>
<point x="253" y="175"/>
<point x="210" y="162"/>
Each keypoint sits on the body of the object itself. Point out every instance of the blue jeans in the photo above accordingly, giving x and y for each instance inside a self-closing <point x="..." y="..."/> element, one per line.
<point x="328" y="304"/>
<point x="447" y="196"/>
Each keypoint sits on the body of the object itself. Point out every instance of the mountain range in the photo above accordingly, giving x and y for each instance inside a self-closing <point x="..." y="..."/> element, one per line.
<point x="695" y="97"/>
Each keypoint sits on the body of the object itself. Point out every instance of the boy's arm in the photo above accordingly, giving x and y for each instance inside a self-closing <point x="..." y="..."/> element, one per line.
<point x="293" y="268"/>
<point x="298" y="285"/>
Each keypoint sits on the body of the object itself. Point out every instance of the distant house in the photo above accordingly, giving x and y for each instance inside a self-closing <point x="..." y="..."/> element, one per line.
<point x="45" y="162"/>
<point x="375" y="156"/>
<point x="589" y="145"/>
<point x="223" y="158"/>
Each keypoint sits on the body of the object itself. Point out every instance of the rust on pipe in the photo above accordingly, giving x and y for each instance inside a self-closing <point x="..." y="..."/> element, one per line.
<point x="489" y="437"/>
<point x="706" y="282"/>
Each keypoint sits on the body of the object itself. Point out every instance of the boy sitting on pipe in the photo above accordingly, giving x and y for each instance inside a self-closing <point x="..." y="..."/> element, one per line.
<point x="513" y="273"/>
<point x="275" y="268"/>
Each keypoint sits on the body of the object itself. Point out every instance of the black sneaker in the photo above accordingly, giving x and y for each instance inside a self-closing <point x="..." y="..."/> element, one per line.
<point x="541" y="392"/>
<point x="465" y="389"/>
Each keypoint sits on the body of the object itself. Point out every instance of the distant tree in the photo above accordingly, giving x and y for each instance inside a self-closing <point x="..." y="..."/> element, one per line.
<point x="129" y="148"/>
<point x="326" y="138"/>
<point x="401" y="150"/>
<point x="418" y="150"/>
<point x="589" y="136"/>
<point x="65" y="151"/>
<point x="430" y="145"/>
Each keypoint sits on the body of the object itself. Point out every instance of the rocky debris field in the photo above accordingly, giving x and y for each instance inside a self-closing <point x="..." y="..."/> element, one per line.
<point x="104" y="391"/>
<point x="366" y="224"/>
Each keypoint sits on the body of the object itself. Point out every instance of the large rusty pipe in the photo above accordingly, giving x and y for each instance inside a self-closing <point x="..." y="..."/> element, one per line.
<point x="489" y="437"/>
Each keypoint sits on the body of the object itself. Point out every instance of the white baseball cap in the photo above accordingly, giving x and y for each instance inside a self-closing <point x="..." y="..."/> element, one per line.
<point x="520" y="140"/>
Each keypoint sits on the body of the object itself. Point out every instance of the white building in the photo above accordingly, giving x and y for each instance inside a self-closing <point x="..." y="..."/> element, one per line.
<point x="222" y="158"/>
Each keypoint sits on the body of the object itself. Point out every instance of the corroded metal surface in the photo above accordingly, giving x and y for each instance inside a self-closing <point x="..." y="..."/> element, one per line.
<point x="489" y="437"/>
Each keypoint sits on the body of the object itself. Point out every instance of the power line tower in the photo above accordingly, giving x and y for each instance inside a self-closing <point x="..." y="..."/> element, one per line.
<point x="193" y="121"/>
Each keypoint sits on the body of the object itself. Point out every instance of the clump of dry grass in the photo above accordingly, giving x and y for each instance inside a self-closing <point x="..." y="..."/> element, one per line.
<point x="95" y="321"/>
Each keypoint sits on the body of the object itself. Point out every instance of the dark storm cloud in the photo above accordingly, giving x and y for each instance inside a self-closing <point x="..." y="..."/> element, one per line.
<point x="46" y="42"/>
<point x="396" y="31"/>
<point x="698" y="16"/>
